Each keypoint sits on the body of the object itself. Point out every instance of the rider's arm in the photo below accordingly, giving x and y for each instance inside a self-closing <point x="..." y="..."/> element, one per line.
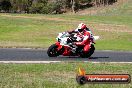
<point x="85" y="39"/>
<point x="91" y="35"/>
<point x="73" y="31"/>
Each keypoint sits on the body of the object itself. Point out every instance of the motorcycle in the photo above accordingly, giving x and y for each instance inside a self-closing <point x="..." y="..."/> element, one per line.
<point x="64" y="46"/>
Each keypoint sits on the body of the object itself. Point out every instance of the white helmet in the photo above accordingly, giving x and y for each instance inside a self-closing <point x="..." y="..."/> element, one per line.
<point x="81" y="26"/>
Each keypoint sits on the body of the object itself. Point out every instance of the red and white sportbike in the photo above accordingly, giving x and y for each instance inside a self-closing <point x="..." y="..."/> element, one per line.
<point x="64" y="46"/>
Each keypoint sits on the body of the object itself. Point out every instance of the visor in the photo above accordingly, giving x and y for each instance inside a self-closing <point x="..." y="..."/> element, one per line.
<point x="80" y="30"/>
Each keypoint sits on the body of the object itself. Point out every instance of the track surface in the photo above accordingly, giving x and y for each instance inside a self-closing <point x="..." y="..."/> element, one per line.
<point x="41" y="55"/>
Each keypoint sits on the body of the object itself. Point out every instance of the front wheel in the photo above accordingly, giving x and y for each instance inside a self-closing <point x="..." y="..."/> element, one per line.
<point x="52" y="51"/>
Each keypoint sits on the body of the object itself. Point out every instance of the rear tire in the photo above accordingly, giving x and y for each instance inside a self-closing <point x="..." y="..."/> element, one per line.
<point x="52" y="51"/>
<point x="88" y="54"/>
<point x="92" y="49"/>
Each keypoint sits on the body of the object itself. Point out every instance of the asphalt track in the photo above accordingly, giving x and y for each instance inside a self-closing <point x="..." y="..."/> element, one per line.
<point x="41" y="55"/>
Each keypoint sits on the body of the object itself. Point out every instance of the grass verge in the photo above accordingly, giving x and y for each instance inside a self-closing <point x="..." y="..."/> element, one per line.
<point x="40" y="31"/>
<point x="57" y="75"/>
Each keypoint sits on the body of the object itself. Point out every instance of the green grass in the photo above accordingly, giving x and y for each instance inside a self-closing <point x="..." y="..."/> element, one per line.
<point x="37" y="30"/>
<point x="113" y="25"/>
<point x="57" y="75"/>
<point x="29" y="30"/>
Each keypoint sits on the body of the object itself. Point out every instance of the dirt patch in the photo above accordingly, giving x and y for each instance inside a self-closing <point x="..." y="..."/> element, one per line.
<point x="39" y="18"/>
<point x="92" y="25"/>
<point x="111" y="28"/>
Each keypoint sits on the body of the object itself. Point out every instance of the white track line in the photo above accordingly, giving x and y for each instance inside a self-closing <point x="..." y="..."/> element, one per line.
<point x="29" y="62"/>
<point x="112" y="62"/>
<point x="38" y="62"/>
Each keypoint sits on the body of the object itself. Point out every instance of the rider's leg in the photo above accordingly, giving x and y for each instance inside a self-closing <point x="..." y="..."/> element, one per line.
<point x="86" y="48"/>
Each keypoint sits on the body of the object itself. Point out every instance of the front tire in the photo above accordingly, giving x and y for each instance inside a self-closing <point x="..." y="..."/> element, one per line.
<point x="52" y="51"/>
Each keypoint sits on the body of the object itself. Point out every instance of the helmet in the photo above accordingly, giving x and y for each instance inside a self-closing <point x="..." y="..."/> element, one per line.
<point x="81" y="27"/>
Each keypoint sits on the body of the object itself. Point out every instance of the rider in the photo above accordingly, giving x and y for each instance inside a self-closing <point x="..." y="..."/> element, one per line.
<point x="87" y="37"/>
<point x="83" y="28"/>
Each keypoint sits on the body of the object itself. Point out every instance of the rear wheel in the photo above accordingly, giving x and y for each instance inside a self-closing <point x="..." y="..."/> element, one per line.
<point x="88" y="54"/>
<point x="92" y="49"/>
<point x="52" y="51"/>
